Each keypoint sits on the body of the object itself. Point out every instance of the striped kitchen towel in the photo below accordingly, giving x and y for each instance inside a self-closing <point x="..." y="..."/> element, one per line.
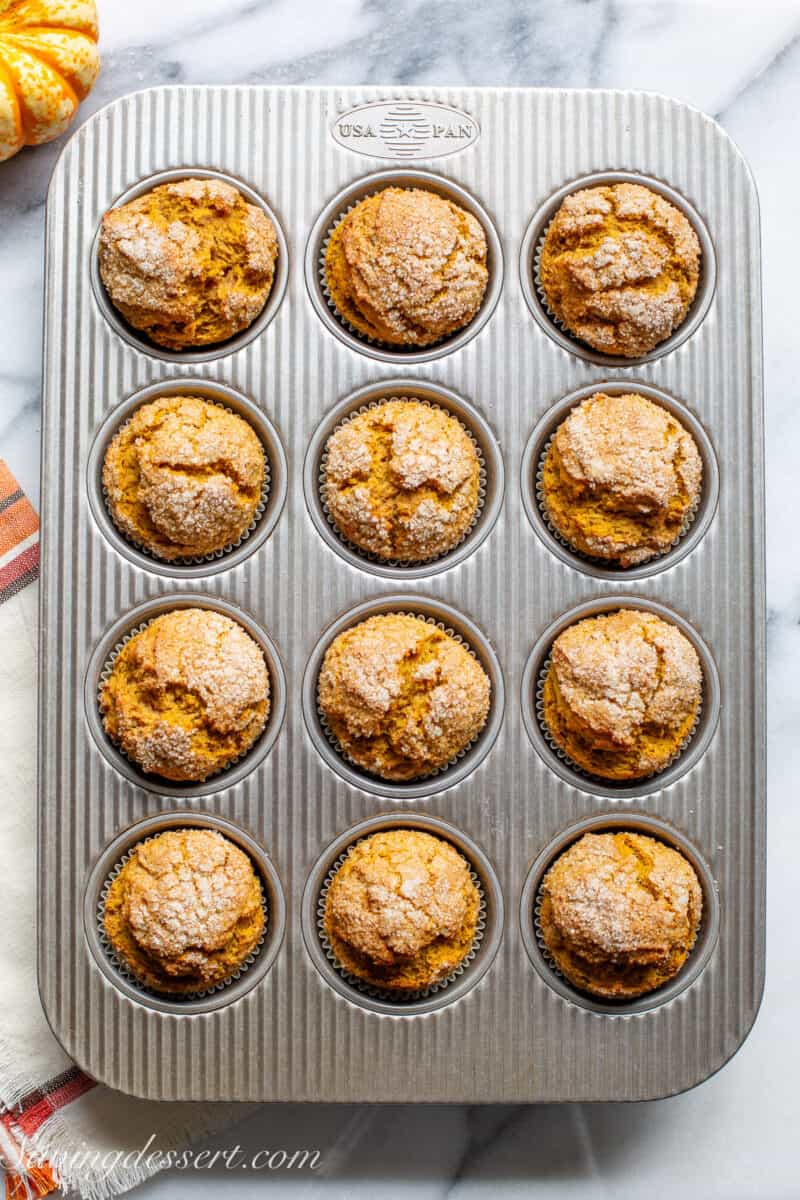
<point x="19" y="537"/>
<point x="57" y="1126"/>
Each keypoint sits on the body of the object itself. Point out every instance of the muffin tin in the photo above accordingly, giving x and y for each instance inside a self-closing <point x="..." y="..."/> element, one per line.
<point x="507" y="1028"/>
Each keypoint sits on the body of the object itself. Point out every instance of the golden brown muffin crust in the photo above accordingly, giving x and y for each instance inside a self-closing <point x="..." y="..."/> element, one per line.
<point x="189" y="263"/>
<point x="621" y="478"/>
<point x="402" y="910"/>
<point x="187" y="695"/>
<point x="622" y="693"/>
<point x="401" y="696"/>
<point x="184" y="477"/>
<point x="620" y="913"/>
<point x="620" y="267"/>
<point x="407" y="266"/>
<point x="185" y="910"/>
<point x="402" y="480"/>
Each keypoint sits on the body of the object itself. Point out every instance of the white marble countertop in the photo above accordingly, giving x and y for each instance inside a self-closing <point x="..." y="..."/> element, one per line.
<point x="732" y="1137"/>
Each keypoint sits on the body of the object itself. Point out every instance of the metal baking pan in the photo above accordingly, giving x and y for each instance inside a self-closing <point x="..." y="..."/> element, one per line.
<point x="507" y="1029"/>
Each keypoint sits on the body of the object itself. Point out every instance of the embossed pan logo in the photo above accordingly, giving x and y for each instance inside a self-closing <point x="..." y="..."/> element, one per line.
<point x="405" y="130"/>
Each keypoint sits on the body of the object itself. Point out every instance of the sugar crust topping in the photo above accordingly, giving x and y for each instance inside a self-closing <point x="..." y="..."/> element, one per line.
<point x="621" y="673"/>
<point x="187" y="694"/>
<point x="185" y="892"/>
<point x="402" y="480"/>
<point x="189" y="263"/>
<point x="407" y="266"/>
<point x="397" y="892"/>
<point x="620" y="912"/>
<point x="401" y="695"/>
<point x="184" y="476"/>
<point x="620" y="267"/>
<point x="621" y="477"/>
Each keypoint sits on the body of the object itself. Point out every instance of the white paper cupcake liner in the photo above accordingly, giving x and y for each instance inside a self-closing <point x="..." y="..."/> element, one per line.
<point x="401" y="562"/>
<point x="601" y="563"/>
<point x="105" y="673"/>
<point x="133" y="980"/>
<point x="386" y="994"/>
<point x="214" y="555"/>
<point x="334" y="741"/>
<point x="393" y="347"/>
<point x="542" y="295"/>
<point x="539" y="932"/>
<point x="561" y="754"/>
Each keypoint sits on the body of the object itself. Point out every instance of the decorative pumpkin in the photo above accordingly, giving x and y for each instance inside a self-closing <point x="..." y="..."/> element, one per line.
<point x="48" y="63"/>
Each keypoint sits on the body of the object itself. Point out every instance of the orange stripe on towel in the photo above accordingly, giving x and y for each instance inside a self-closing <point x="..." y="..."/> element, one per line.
<point x="39" y="1180"/>
<point x="8" y="483"/>
<point x="17" y="521"/>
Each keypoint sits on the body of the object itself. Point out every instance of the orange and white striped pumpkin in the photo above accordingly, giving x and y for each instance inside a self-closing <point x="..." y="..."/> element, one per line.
<point x="48" y="63"/>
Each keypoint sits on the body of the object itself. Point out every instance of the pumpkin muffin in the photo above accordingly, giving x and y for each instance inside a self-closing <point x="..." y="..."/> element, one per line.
<point x="184" y="477"/>
<point x="187" y="695"/>
<point x="619" y="267"/>
<point x="402" y="910"/>
<point x="401" y="480"/>
<point x="401" y="696"/>
<point x="185" y="911"/>
<point x="622" y="693"/>
<point x="190" y="263"/>
<point x="620" y="913"/>
<point x="621" y="478"/>
<point x="407" y="267"/>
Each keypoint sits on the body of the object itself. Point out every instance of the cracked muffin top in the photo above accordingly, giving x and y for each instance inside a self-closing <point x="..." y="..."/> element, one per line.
<point x="622" y="692"/>
<point x="620" y="913"/>
<point x="189" y="263"/>
<point x="402" y="909"/>
<point x="184" y="477"/>
<point x="187" y="694"/>
<point x="401" y="696"/>
<point x="621" y="478"/>
<point x="185" y="910"/>
<point x="619" y="267"/>
<point x="402" y="480"/>
<point x="407" y="266"/>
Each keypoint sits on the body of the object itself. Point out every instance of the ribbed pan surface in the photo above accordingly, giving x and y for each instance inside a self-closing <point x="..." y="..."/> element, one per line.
<point x="294" y="1036"/>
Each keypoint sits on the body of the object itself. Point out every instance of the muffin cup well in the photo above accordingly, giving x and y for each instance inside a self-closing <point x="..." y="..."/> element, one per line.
<point x="694" y="745"/>
<point x="139" y="340"/>
<point x="491" y="481"/>
<point x="468" y="973"/>
<point x="337" y="209"/>
<point x="695" y="525"/>
<point x="530" y="904"/>
<point x="465" y="762"/>
<point x="102" y="661"/>
<point x="531" y="249"/>
<point x="273" y="493"/>
<point x="258" y="962"/>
